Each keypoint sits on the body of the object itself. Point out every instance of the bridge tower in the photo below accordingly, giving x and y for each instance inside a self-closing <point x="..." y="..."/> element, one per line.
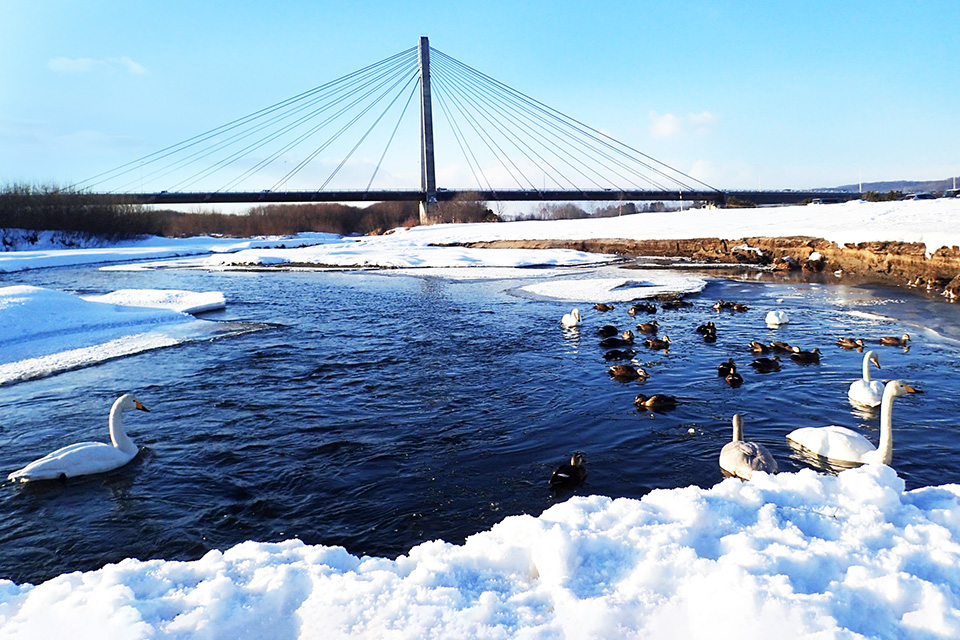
<point x="428" y="179"/>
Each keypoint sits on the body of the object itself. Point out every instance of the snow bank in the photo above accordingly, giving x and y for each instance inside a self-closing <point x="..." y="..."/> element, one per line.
<point x="152" y="248"/>
<point x="792" y="555"/>
<point x="47" y="332"/>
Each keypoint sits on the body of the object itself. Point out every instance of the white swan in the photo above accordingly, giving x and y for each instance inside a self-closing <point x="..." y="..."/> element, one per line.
<point x="741" y="459"/>
<point x="866" y="392"/>
<point x="777" y="318"/>
<point x="839" y="444"/>
<point x="85" y="458"/>
<point x="570" y="320"/>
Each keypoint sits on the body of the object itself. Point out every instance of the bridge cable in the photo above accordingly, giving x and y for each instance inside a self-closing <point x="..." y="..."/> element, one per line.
<point x="333" y="138"/>
<point x="364" y="136"/>
<point x="166" y="151"/>
<point x="548" y="142"/>
<point x="271" y="137"/>
<point x="217" y="146"/>
<point x="517" y="140"/>
<point x="597" y="136"/>
<point x="376" y="169"/>
<point x="567" y="131"/>
<point x="519" y="133"/>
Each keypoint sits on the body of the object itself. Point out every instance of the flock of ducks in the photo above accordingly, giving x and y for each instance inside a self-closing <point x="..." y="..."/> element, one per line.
<point x="831" y="446"/>
<point x="738" y="458"/>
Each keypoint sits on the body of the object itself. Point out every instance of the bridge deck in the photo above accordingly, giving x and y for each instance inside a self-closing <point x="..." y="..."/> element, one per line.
<point x="602" y="195"/>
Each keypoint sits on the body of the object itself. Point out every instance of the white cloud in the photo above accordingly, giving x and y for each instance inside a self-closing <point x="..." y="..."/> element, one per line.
<point x="91" y="65"/>
<point x="668" y="125"/>
<point x="665" y="126"/>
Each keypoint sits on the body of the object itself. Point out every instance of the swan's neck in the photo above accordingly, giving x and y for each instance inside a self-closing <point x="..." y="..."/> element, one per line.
<point x="737" y="431"/>
<point x="885" y="450"/>
<point x="117" y="435"/>
<point x="866" y="370"/>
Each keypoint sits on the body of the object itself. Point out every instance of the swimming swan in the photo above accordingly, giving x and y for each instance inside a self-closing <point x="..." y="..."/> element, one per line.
<point x="85" y="458"/>
<point x="844" y="445"/>
<point x="741" y="459"/>
<point x="866" y="392"/>
<point x="570" y="320"/>
<point x="776" y="318"/>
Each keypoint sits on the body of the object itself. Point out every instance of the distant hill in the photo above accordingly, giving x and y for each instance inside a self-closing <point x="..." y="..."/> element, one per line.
<point x="907" y="186"/>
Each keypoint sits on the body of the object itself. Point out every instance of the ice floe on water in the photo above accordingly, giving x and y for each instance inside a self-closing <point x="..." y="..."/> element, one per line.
<point x="616" y="289"/>
<point x="191" y="302"/>
<point x="47" y="332"/>
<point x="391" y="255"/>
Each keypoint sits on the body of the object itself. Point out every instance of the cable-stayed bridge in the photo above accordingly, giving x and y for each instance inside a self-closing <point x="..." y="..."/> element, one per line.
<point x="333" y="142"/>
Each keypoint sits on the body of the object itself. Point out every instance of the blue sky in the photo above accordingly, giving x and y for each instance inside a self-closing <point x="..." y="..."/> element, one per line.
<point x="739" y="94"/>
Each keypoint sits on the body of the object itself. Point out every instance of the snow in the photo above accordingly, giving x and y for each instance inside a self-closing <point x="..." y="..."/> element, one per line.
<point x="52" y="255"/>
<point x="183" y="301"/>
<point x="786" y="555"/>
<point x="47" y="332"/>
<point x="798" y="554"/>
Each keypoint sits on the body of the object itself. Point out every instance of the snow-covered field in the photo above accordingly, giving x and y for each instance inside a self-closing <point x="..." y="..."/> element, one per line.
<point x="790" y="555"/>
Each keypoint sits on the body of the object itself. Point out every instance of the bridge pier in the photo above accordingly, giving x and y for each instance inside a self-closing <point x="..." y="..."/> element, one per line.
<point x="428" y="179"/>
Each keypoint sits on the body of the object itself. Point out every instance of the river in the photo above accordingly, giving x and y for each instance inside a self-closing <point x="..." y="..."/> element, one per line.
<point x="379" y="410"/>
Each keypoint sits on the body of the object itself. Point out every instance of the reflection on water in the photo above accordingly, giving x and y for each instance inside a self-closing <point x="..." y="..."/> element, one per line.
<point x="810" y="458"/>
<point x="379" y="410"/>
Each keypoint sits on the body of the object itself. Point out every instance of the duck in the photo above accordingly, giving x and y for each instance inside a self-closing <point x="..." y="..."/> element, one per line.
<point x="759" y="347"/>
<point x="656" y="402"/>
<point x="846" y="446"/>
<point x="710" y="336"/>
<point x="734" y="379"/>
<point x="626" y="372"/>
<point x="766" y="365"/>
<point x="571" y="320"/>
<point x="86" y="458"/>
<point x="893" y="341"/>
<point x="658" y="343"/>
<point x="776" y="318"/>
<point x="739" y="307"/>
<point x="648" y="327"/>
<point x="570" y="476"/>
<point x="619" y="354"/>
<point x="726" y="367"/>
<point x="646" y="307"/>
<point x="624" y="340"/>
<point x="866" y="392"/>
<point x="781" y="347"/>
<point x="706" y="328"/>
<point x="607" y="330"/>
<point x="601" y="306"/>
<point x="850" y="343"/>
<point x="675" y="304"/>
<point x="805" y="357"/>
<point x="741" y="459"/>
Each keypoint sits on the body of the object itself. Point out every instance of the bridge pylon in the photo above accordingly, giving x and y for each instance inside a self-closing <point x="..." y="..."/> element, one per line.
<point x="428" y="178"/>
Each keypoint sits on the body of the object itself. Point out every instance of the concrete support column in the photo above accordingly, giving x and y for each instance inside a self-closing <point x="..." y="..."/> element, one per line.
<point x="428" y="180"/>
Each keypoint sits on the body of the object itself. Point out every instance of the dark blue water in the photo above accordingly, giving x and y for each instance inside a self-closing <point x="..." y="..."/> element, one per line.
<point x="380" y="411"/>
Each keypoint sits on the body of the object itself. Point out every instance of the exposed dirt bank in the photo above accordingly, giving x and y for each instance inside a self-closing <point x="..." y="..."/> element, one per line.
<point x="894" y="263"/>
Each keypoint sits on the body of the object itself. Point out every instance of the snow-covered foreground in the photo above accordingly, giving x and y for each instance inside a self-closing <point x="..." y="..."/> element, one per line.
<point x="791" y="555"/>
<point x="787" y="556"/>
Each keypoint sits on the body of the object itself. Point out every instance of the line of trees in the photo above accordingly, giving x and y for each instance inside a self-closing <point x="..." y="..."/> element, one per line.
<point x="45" y="208"/>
